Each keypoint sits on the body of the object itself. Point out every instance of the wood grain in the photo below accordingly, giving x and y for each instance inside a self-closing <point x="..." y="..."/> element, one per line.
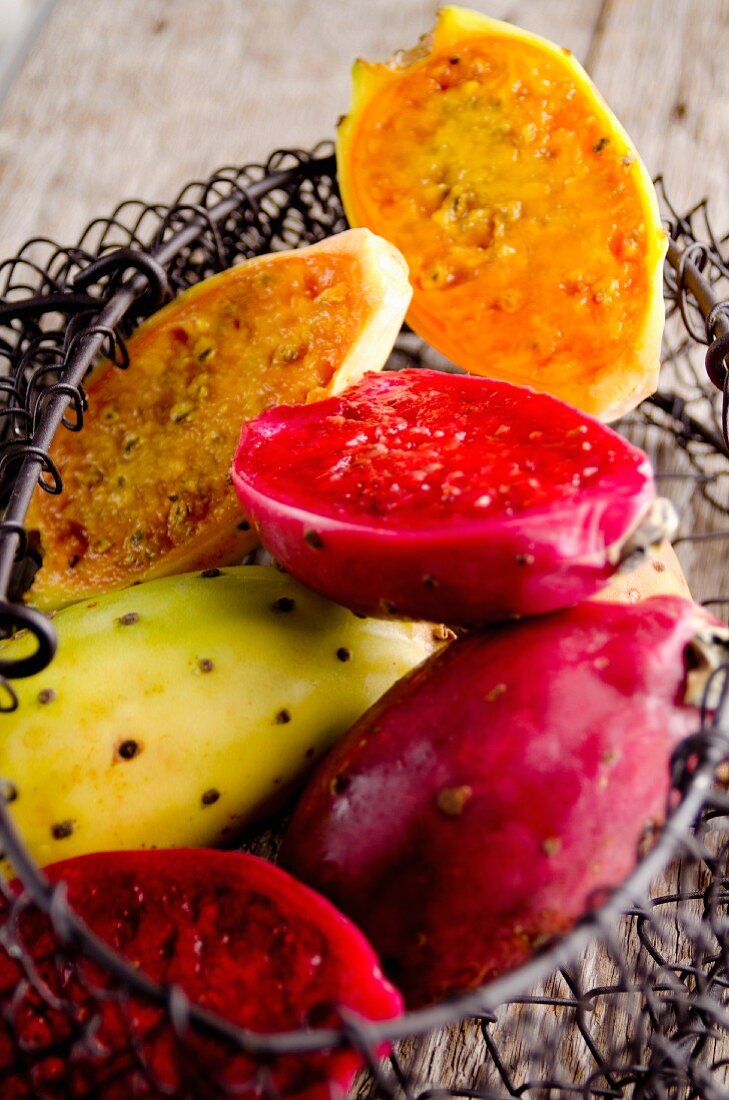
<point x="137" y="98"/>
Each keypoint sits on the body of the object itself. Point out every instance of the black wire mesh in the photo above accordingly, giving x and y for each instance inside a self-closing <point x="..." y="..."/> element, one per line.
<point x="634" y="1002"/>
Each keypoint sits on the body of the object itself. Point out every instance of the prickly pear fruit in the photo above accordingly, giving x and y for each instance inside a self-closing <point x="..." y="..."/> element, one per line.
<point x="178" y="710"/>
<point x="145" y="490"/>
<point x="239" y="936"/>
<point x="443" y="497"/>
<point x="473" y="813"/>
<point x="530" y="226"/>
<point x="659" y="575"/>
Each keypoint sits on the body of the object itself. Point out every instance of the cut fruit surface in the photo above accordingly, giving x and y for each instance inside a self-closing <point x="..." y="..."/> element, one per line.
<point x="530" y="226"/>
<point x="240" y="938"/>
<point x="443" y="497"/>
<point x="145" y="482"/>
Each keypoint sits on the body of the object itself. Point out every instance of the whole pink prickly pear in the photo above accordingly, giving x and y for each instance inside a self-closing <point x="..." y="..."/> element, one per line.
<point x="472" y="813"/>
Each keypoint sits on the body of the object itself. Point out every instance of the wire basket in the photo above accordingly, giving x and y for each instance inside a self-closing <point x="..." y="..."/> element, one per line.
<point x="634" y="1001"/>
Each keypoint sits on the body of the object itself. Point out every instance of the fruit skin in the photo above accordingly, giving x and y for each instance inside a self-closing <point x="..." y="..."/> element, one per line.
<point x="659" y="575"/>
<point x="576" y="309"/>
<point x="473" y="813"/>
<point x="238" y="935"/>
<point x="145" y="492"/>
<point x="369" y="542"/>
<point x="177" y="711"/>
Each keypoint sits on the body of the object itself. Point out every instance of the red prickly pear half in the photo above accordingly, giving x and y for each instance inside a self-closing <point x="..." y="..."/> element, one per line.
<point x="479" y="808"/>
<point x="239" y="936"/>
<point x="442" y="497"/>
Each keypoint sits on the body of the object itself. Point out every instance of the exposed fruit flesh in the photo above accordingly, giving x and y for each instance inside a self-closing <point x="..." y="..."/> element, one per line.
<point x="442" y="496"/>
<point x="530" y="227"/>
<point x="145" y="490"/>
<point x="520" y="770"/>
<point x="178" y="711"/>
<point x="239" y="936"/>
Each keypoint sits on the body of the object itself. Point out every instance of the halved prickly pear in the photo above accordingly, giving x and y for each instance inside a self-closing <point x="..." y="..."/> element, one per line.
<point x="237" y="935"/>
<point x="145" y="490"/>
<point x="520" y="770"/>
<point x="443" y="497"/>
<point x="177" y="711"/>
<point x="530" y="226"/>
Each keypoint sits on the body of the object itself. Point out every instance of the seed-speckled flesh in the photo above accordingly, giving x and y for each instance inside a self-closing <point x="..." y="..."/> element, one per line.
<point x="530" y="227"/>
<point x="419" y="490"/>
<point x="233" y="933"/>
<point x="145" y="483"/>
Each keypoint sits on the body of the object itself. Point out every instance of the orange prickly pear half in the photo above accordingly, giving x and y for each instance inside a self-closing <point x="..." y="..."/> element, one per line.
<point x="446" y="497"/>
<point x="145" y="492"/>
<point x="530" y="226"/>
<point x="521" y="769"/>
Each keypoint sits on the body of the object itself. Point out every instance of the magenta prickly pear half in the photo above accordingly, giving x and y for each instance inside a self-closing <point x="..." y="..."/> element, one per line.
<point x="479" y="809"/>
<point x="444" y="497"/>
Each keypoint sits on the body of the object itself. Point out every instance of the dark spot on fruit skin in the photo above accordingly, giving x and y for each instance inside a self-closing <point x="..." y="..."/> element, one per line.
<point x="61" y="830"/>
<point x="129" y="619"/>
<point x="313" y="539"/>
<point x="429" y="582"/>
<point x="283" y="603"/>
<point x="47" y="695"/>
<point x="679" y="110"/>
<point x="454" y="60"/>
<point x="524" y="559"/>
<point x="205" y="664"/>
<point x="128" y="749"/>
<point x="9" y="791"/>
<point x="339" y="784"/>
<point x="283" y="717"/>
<point x="309" y="753"/>
<point x="209" y="574"/>
<point x="209" y="797"/>
<point x="600" y="145"/>
<point x="244" y="525"/>
<point x="343" y="654"/>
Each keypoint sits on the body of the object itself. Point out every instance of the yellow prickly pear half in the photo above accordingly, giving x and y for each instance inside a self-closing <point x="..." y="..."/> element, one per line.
<point x="446" y="497"/>
<point x="530" y="226"/>
<point x="177" y="711"/>
<point x="520" y="769"/>
<point x="145" y="483"/>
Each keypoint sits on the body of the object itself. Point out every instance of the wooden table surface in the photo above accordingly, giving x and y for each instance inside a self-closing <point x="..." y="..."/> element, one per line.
<point x="134" y="98"/>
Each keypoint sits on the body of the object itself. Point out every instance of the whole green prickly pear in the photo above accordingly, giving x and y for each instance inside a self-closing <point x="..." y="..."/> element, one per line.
<point x="178" y="710"/>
